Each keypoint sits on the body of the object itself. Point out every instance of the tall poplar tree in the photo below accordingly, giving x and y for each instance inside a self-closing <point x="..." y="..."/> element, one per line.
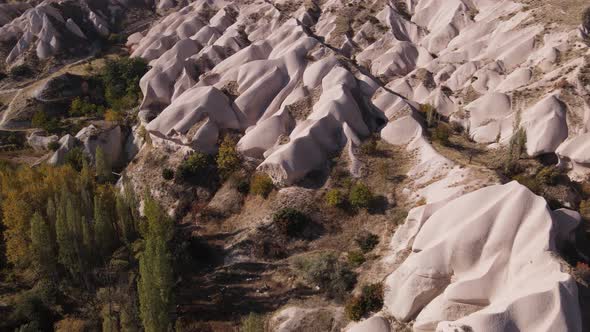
<point x="155" y="269"/>
<point x="42" y="247"/>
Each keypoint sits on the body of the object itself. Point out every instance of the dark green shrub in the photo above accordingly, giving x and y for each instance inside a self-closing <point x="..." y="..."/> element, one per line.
<point x="367" y="241"/>
<point x="228" y="160"/>
<point x="20" y="71"/>
<point x="167" y="174"/>
<point x="42" y="120"/>
<point x="441" y="134"/>
<point x="261" y="184"/>
<point x="3" y="75"/>
<point x="356" y="258"/>
<point x="291" y="222"/>
<point x="195" y="168"/>
<point x="83" y="107"/>
<point x="121" y="81"/>
<point x="326" y="271"/>
<point x="53" y="146"/>
<point x="334" y="198"/>
<point x="360" y="196"/>
<point x="370" y="300"/>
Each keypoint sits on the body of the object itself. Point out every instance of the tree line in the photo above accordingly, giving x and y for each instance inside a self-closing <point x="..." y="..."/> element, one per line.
<point x="73" y="239"/>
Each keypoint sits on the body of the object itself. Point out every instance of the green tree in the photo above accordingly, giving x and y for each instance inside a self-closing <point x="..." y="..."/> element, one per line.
<point x="125" y="221"/>
<point x="155" y="269"/>
<point x="104" y="172"/>
<point x="42" y="247"/>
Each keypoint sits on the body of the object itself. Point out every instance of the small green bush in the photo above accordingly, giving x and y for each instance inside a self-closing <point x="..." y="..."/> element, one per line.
<point x="356" y="258"/>
<point x="261" y="184"/>
<point x="228" y="160"/>
<point x="167" y="174"/>
<point x="360" y="196"/>
<point x="195" y="168"/>
<point x="326" y="271"/>
<point x="53" y="146"/>
<point x="548" y="175"/>
<point x="367" y="241"/>
<point x="334" y="198"/>
<point x="370" y="300"/>
<point x="291" y="222"/>
<point x="441" y="134"/>
<point x="252" y="323"/>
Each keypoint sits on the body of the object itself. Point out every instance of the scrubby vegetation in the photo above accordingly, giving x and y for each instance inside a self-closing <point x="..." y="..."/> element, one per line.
<point x="252" y="323"/>
<point x="228" y="160"/>
<point x="356" y="258"/>
<point x="20" y="71"/>
<point x="335" y="198"/>
<point x="332" y="276"/>
<point x="441" y="134"/>
<point x="360" y="196"/>
<point x="167" y="174"/>
<point x="261" y="185"/>
<point x="370" y="300"/>
<point x="291" y="222"/>
<point x="367" y="241"/>
<point x="195" y="168"/>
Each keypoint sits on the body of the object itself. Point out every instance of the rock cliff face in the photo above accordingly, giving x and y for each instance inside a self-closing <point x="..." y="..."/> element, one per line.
<point x="304" y="81"/>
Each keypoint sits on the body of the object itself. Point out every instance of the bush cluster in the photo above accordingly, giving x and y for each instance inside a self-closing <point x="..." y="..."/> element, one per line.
<point x="84" y="107"/>
<point x="367" y="241"/>
<point x="370" y="300"/>
<point x="356" y="258"/>
<point x="333" y="277"/>
<point x="548" y="175"/>
<point x="20" y="71"/>
<point x="195" y="168"/>
<point x="228" y="160"/>
<point x="291" y="222"/>
<point x="42" y="120"/>
<point x="167" y="174"/>
<point x="360" y="196"/>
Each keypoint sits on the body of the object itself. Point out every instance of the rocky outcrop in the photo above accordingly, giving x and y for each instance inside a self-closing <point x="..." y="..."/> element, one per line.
<point x="485" y="262"/>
